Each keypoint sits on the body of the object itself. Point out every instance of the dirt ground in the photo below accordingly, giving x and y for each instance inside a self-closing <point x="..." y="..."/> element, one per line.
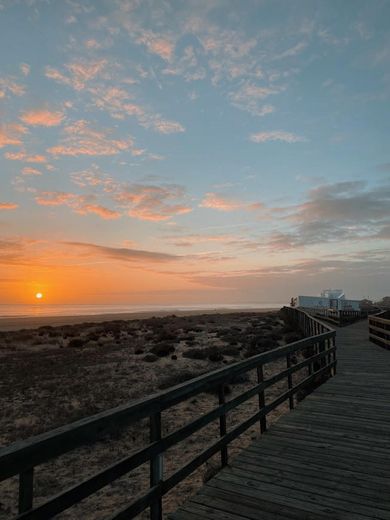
<point x="51" y="376"/>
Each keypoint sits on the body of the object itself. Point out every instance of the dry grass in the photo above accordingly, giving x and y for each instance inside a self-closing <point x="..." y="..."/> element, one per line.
<point x="55" y="375"/>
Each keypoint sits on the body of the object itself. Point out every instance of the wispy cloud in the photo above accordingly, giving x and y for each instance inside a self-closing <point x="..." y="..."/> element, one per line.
<point x="123" y="254"/>
<point x="81" y="139"/>
<point x="25" y="157"/>
<point x="42" y="117"/>
<point x="8" y="205"/>
<point x="152" y="202"/>
<point x="221" y="203"/>
<point x="79" y="74"/>
<point x="277" y="135"/>
<point x="27" y="170"/>
<point x="10" y="86"/>
<point x="11" y="134"/>
<point x="83" y="205"/>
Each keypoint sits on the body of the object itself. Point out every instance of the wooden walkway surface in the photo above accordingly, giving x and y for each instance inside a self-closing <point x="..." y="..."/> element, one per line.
<point x="327" y="459"/>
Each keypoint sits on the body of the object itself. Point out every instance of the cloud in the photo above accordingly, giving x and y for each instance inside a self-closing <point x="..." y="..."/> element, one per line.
<point x="343" y="211"/>
<point x="81" y="204"/>
<point x="30" y="171"/>
<point x="162" y="126"/>
<point x="9" y="86"/>
<point x="277" y="135"/>
<point x="119" y="103"/>
<point x="105" y="213"/>
<point x="155" y="44"/>
<point x="151" y="202"/>
<point x="219" y="202"/>
<point x="55" y="198"/>
<point x="42" y="117"/>
<point x="8" y="205"/>
<point x="122" y="253"/>
<point x="80" y="139"/>
<point x="23" y="156"/>
<point x="11" y="133"/>
<point x="80" y="73"/>
<point x="25" y="69"/>
<point x="249" y="97"/>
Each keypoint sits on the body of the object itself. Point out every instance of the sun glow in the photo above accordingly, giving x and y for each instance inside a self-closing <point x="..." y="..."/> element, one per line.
<point x="39" y="296"/>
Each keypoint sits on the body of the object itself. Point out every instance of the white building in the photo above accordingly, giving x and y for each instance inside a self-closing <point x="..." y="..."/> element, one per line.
<point x="329" y="299"/>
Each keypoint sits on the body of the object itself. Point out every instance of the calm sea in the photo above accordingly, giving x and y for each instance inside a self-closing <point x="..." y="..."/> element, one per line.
<point x="43" y="309"/>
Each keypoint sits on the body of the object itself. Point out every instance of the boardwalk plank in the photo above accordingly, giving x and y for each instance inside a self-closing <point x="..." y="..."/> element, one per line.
<point x="327" y="459"/>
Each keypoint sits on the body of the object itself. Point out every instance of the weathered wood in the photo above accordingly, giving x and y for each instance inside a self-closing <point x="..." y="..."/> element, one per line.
<point x="26" y="490"/>
<point x="23" y="456"/>
<point x="328" y="457"/>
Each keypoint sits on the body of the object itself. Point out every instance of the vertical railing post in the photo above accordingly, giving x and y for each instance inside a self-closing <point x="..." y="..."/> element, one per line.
<point x="260" y="379"/>
<point x="222" y="425"/>
<point x="334" y="356"/>
<point x="156" y="465"/>
<point x="290" y="382"/>
<point x="26" y="490"/>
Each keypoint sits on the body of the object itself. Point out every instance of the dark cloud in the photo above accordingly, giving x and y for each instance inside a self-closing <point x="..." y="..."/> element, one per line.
<point x="122" y="253"/>
<point x="347" y="211"/>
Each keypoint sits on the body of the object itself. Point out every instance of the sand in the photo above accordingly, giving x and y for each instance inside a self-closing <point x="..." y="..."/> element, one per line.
<point x="55" y="375"/>
<point x="31" y="322"/>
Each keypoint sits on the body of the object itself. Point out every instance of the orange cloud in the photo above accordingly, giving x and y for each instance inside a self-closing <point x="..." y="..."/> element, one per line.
<point x="81" y="73"/>
<point x="30" y="171"/>
<point x="42" y="117"/>
<point x="11" y="133"/>
<point x="8" y="205"/>
<point x="9" y="86"/>
<point x="103" y="212"/>
<point x="161" y="46"/>
<point x="154" y="203"/>
<point x="215" y="201"/>
<point x="80" y="139"/>
<point x="22" y="156"/>
<point x="54" y="198"/>
<point x="79" y="203"/>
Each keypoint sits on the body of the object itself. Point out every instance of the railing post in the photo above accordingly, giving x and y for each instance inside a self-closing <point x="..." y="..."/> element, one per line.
<point x="260" y="379"/>
<point x="333" y="342"/>
<point x="290" y="382"/>
<point x="222" y="425"/>
<point x="156" y="465"/>
<point x="26" y="490"/>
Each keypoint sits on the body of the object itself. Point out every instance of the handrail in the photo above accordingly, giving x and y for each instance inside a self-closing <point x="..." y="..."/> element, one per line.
<point x="22" y="456"/>
<point x="379" y="328"/>
<point x="337" y="317"/>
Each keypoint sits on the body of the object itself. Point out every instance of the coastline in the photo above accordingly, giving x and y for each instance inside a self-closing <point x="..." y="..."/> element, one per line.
<point x="12" y="323"/>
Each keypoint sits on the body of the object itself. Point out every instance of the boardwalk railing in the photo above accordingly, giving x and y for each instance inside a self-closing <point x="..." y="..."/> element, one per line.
<point x="338" y="317"/>
<point x="379" y="329"/>
<point x="319" y="357"/>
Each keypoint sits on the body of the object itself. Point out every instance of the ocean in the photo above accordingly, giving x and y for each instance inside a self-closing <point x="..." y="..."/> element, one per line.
<point x="43" y="309"/>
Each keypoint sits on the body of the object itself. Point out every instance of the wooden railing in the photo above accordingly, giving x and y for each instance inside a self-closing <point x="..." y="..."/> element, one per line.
<point x="338" y="317"/>
<point x="20" y="458"/>
<point x="379" y="329"/>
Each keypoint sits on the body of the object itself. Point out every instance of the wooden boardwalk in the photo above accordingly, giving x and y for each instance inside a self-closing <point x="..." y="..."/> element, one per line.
<point x="327" y="459"/>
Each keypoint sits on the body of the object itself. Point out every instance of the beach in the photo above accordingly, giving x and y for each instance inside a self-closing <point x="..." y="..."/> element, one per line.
<point x="33" y="322"/>
<point x="54" y="375"/>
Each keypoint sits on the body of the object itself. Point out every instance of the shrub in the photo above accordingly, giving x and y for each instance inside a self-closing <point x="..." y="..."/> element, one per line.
<point x="215" y="356"/>
<point x="230" y="350"/>
<point x="150" y="358"/>
<point x="290" y="337"/>
<point x="76" y="343"/>
<point x="162" y="349"/>
<point x="196" y="353"/>
<point x="177" y="377"/>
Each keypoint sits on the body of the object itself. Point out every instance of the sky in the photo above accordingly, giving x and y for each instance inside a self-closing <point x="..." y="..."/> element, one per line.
<point x="181" y="152"/>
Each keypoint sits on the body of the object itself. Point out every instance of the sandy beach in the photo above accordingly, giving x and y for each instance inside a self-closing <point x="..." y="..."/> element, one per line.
<point x="54" y="375"/>
<point x="33" y="322"/>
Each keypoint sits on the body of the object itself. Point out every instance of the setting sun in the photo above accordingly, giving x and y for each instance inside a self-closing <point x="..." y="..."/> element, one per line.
<point x="39" y="296"/>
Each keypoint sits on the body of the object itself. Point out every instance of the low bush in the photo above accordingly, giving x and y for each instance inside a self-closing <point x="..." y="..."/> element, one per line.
<point x="76" y="343"/>
<point x="162" y="349"/>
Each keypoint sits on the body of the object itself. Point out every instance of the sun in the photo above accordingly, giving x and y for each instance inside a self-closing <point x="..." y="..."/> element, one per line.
<point x="39" y="296"/>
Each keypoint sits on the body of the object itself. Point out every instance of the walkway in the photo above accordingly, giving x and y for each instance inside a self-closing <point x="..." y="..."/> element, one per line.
<point x="327" y="459"/>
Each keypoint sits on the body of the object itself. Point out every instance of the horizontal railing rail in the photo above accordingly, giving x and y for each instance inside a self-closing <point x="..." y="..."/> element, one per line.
<point x="379" y="328"/>
<point x="22" y="457"/>
<point x="338" y="317"/>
